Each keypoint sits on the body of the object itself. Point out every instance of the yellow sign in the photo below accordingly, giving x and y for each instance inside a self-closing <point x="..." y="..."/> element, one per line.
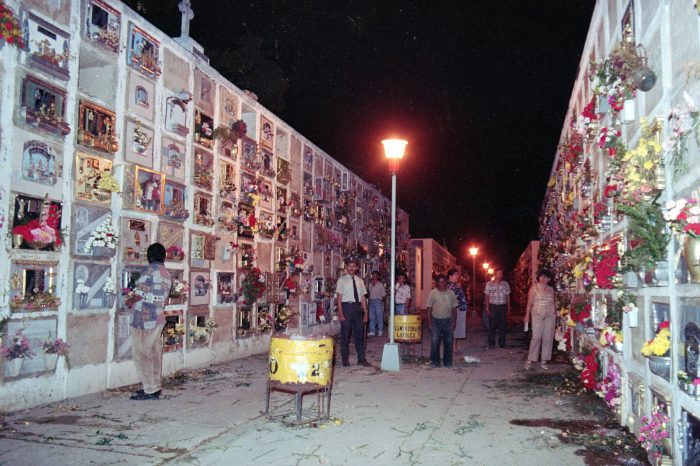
<point x="407" y="328"/>
<point x="301" y="361"/>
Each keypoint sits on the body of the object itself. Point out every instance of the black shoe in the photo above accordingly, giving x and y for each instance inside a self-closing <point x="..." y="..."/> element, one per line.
<point x="346" y="364"/>
<point x="146" y="396"/>
<point x="364" y="363"/>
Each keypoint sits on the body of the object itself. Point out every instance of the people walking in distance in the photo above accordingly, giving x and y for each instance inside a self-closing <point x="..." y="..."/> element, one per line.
<point x="541" y="309"/>
<point x="402" y="298"/>
<point x="377" y="293"/>
<point x="442" y="312"/>
<point x="352" y="312"/>
<point x="498" y="307"/>
<point x="461" y="320"/>
<point x="148" y="303"/>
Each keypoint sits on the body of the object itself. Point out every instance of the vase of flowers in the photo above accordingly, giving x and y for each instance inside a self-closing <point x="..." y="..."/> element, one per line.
<point x="174" y="253"/>
<point x="178" y="292"/>
<point x="683" y="217"/>
<point x="652" y="433"/>
<point x="107" y="185"/>
<point x="252" y="287"/>
<point x="53" y="349"/>
<point x="110" y="293"/>
<point x="15" y="353"/>
<point x="657" y="351"/>
<point x="82" y="291"/>
<point x="103" y="241"/>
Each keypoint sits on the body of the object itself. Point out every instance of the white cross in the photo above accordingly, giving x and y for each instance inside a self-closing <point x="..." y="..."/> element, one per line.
<point x="185" y="7"/>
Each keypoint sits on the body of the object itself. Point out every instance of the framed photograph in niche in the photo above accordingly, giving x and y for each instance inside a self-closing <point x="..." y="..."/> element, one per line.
<point x="282" y="199"/>
<point x="225" y="286"/>
<point x="36" y="331"/>
<point x="36" y="223"/>
<point x="96" y="128"/>
<point x="42" y="106"/>
<point x="266" y="195"/>
<point x="142" y="52"/>
<point x="284" y="171"/>
<point x="139" y="146"/>
<point x="203" y="129"/>
<point x="135" y="239"/>
<point x="172" y="237"/>
<point x="249" y="154"/>
<point x="267" y="133"/>
<point x="268" y="163"/>
<point x="203" y="209"/>
<point x="203" y="91"/>
<point x="41" y="163"/>
<point x="172" y="160"/>
<point x="47" y="46"/>
<point x="227" y="181"/>
<point x="92" y="277"/>
<point x="246" y="213"/>
<point x="33" y="286"/>
<point x="140" y="96"/>
<point x="175" y="201"/>
<point x="203" y="169"/>
<point x="200" y="288"/>
<point x="89" y="173"/>
<point x="102" y="24"/>
<point x="308" y="185"/>
<point x="147" y="190"/>
<point x="86" y="220"/>
<point x="227" y="216"/>
<point x="202" y="249"/>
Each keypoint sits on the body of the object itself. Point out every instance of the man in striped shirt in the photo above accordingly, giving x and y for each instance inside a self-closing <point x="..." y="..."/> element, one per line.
<point x="497" y="308"/>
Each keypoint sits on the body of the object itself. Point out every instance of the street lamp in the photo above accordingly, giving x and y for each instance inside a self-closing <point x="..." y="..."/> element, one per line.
<point x="491" y="271"/>
<point x="393" y="151"/>
<point x="473" y="251"/>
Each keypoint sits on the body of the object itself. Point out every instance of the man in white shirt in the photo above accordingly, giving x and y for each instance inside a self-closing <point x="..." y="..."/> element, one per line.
<point x="352" y="312"/>
<point x="402" y="296"/>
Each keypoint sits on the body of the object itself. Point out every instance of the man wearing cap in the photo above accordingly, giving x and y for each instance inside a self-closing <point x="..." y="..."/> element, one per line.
<point x="352" y="312"/>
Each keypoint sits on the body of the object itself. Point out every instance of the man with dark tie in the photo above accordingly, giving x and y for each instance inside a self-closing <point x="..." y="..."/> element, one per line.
<point x="352" y="312"/>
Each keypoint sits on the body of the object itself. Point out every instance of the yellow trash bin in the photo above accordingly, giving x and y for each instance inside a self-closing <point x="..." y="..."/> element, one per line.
<point x="407" y="328"/>
<point x="296" y="359"/>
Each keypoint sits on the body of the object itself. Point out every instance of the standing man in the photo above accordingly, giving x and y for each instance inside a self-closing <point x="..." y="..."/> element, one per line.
<point x="461" y="321"/>
<point x="402" y="297"/>
<point x="352" y="312"/>
<point x="497" y="307"/>
<point x="377" y="292"/>
<point x="148" y="301"/>
<point x="442" y="311"/>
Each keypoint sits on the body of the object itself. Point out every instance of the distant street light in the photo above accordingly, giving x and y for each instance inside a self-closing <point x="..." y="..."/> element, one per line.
<point x="473" y="251"/>
<point x="393" y="150"/>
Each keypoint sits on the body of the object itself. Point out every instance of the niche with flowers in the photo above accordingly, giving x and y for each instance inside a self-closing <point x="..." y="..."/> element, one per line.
<point x="267" y="133"/>
<point x="200" y="288"/>
<point x="135" y="239"/>
<point x="47" y="46"/>
<point x="96" y="128"/>
<point x="203" y="169"/>
<point x="36" y="330"/>
<point x="142" y="52"/>
<point x="175" y="201"/>
<point x="227" y="216"/>
<point x="93" y="232"/>
<point x="174" y="330"/>
<point x="267" y="160"/>
<point x="172" y="236"/>
<point x="93" y="286"/>
<point x="102" y="25"/>
<point x="227" y="181"/>
<point x="139" y="144"/>
<point x="247" y="221"/>
<point x="94" y="181"/>
<point x="203" y="209"/>
<point x="36" y="223"/>
<point x="143" y="189"/>
<point x="203" y="129"/>
<point x="42" y="106"/>
<point x="249" y="154"/>
<point x="33" y="286"/>
<point x="173" y="160"/>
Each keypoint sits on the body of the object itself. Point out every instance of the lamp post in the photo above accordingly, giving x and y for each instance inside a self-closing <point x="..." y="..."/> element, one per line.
<point x="393" y="151"/>
<point x="473" y="251"/>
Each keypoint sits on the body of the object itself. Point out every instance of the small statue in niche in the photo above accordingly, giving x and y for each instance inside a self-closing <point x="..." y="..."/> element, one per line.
<point x="692" y="350"/>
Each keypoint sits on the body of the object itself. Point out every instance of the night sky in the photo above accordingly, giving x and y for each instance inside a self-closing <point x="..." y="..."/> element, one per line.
<point x="478" y="88"/>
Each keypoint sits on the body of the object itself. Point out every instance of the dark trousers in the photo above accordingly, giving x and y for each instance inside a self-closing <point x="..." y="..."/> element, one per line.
<point x="354" y="323"/>
<point x="441" y="329"/>
<point x="497" y="318"/>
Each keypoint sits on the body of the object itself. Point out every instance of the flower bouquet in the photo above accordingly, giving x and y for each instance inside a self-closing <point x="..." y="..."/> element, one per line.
<point x="683" y="121"/>
<point x="284" y="313"/>
<point x="82" y="291"/>
<point x="198" y="335"/>
<point x="652" y="433"/>
<point x="609" y="388"/>
<point x="174" y="253"/>
<point x="660" y="344"/>
<point x="52" y="350"/>
<point x="15" y="352"/>
<point x="110" y="293"/>
<point x="683" y="217"/>
<point x="104" y="236"/>
<point x="178" y="292"/>
<point x="10" y="29"/>
<point x="172" y="335"/>
<point x="605" y="267"/>
<point x="265" y="321"/>
<point x="580" y="308"/>
<point x="252" y="287"/>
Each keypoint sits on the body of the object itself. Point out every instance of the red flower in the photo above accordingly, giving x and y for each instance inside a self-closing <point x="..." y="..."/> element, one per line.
<point x="664" y="324"/>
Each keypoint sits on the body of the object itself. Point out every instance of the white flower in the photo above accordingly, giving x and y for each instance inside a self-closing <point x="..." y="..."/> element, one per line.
<point x="82" y="288"/>
<point x="109" y="286"/>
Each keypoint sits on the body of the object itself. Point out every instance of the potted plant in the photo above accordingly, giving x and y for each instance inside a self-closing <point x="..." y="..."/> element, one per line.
<point x="648" y="241"/>
<point x="178" y="292"/>
<point x="657" y="351"/>
<point x="107" y="185"/>
<point x="52" y="350"/>
<point x="683" y="217"/>
<point x="15" y="352"/>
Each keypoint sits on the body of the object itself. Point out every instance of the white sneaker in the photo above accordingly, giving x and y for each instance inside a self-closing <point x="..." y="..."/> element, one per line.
<point x="380" y="334"/>
<point x="370" y="334"/>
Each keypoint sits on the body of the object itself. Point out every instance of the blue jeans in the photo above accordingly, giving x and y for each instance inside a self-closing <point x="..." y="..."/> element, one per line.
<point x="376" y="315"/>
<point x="441" y="329"/>
<point x="401" y="309"/>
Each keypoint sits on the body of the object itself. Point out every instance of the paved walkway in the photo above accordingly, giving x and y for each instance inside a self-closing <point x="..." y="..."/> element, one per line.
<point x="213" y="417"/>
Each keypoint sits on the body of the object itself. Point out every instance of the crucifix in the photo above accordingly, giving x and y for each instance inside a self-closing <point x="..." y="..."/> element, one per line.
<point x="185" y="7"/>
